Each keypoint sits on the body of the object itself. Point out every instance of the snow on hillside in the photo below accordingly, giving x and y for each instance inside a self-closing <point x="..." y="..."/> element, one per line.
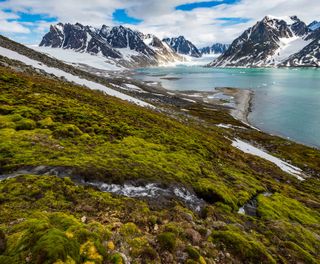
<point x="70" y="77"/>
<point x="286" y="167"/>
<point x="288" y="46"/>
<point x="80" y="58"/>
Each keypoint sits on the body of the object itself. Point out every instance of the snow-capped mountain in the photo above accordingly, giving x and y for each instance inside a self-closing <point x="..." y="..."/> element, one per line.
<point x="314" y="25"/>
<point x="269" y="42"/>
<point x="165" y="54"/>
<point x="216" y="48"/>
<point x="123" y="46"/>
<point x="183" y="46"/>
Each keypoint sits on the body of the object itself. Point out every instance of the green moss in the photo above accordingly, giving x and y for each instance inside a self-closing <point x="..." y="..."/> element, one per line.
<point x="279" y="206"/>
<point x="26" y="124"/>
<point x="193" y="253"/>
<point x="46" y="123"/>
<point x="129" y="230"/>
<point x="295" y="252"/>
<point x="67" y="130"/>
<point x="167" y="241"/>
<point x="140" y="247"/>
<point x="54" y="245"/>
<point x="116" y="259"/>
<point x="243" y="247"/>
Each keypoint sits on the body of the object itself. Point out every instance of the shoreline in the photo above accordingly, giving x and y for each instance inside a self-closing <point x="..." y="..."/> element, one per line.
<point x="243" y="103"/>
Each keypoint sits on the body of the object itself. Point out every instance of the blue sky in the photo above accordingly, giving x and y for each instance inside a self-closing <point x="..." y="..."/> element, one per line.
<point x="203" y="22"/>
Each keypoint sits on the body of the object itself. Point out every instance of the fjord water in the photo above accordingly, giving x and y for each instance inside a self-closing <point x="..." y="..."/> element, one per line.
<point x="286" y="101"/>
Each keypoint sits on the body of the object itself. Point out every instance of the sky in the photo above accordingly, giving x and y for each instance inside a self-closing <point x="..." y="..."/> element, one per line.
<point x="202" y="22"/>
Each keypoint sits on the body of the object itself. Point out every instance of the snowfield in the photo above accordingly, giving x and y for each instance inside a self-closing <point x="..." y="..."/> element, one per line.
<point x="288" y="47"/>
<point x="70" y="77"/>
<point x="80" y="58"/>
<point x="286" y="167"/>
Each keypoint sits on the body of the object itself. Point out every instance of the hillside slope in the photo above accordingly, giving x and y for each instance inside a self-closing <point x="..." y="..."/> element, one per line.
<point x="53" y="127"/>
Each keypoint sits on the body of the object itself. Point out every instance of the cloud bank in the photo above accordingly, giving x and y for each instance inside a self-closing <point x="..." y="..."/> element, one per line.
<point x="222" y="21"/>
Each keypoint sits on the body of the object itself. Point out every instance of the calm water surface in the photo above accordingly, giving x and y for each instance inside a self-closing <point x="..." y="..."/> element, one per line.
<point x="286" y="101"/>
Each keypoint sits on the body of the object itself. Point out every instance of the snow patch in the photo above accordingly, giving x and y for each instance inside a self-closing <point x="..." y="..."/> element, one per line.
<point x="80" y="58"/>
<point x="286" y="167"/>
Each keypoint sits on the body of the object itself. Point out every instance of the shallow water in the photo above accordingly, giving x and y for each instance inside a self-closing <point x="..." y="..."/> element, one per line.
<point x="286" y="101"/>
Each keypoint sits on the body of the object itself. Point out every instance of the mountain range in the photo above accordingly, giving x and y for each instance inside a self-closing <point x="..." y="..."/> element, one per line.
<point x="274" y="42"/>
<point x="271" y="42"/>
<point x="124" y="46"/>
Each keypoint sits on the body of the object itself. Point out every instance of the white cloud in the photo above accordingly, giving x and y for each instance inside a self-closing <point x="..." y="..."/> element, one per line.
<point x="161" y="18"/>
<point x="7" y="25"/>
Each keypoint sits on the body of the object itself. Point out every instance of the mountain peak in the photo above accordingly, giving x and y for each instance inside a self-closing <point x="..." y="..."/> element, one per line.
<point x="183" y="46"/>
<point x="265" y="44"/>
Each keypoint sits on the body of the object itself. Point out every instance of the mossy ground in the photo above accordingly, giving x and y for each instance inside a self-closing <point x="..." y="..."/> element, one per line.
<point x="52" y="123"/>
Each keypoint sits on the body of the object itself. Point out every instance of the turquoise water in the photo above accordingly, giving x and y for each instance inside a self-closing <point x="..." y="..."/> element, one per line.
<point x="286" y="101"/>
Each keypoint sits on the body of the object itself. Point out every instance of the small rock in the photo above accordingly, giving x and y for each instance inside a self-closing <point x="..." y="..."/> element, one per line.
<point x="84" y="219"/>
<point x="188" y="217"/>
<point x="193" y="235"/>
<point x="218" y="224"/>
<point x="87" y="208"/>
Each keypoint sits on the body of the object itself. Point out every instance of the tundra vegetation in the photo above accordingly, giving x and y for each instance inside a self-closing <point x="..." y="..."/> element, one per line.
<point x="48" y="219"/>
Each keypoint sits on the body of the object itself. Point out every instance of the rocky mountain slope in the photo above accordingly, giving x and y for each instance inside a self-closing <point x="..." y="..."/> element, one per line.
<point x="216" y="48"/>
<point x="270" y="42"/>
<point x="183" y="46"/>
<point x="121" y="45"/>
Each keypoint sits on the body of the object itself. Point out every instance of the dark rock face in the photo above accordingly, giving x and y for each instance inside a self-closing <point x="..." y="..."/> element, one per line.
<point x="183" y="46"/>
<point x="121" y="37"/>
<point x="217" y="48"/>
<point x="298" y="27"/>
<point x="79" y="38"/>
<point x="258" y="44"/>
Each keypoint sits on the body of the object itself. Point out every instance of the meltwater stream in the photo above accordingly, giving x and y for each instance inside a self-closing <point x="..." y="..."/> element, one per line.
<point x="152" y="191"/>
<point x="286" y="101"/>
